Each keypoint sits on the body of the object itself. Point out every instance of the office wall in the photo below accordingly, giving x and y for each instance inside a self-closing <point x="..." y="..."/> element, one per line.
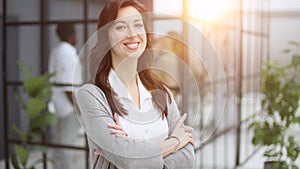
<point x="284" y="27"/>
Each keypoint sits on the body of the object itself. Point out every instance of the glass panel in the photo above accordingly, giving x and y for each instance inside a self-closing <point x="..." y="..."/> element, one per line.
<point x="53" y="38"/>
<point x="28" y="10"/>
<point x="66" y="9"/>
<point x="165" y="26"/>
<point x="80" y="36"/>
<point x="23" y="44"/>
<point x="75" y="159"/>
<point x="94" y="8"/>
<point x="164" y="7"/>
<point x="15" y="115"/>
<point x="1" y="4"/>
<point x="67" y="131"/>
<point x="92" y="29"/>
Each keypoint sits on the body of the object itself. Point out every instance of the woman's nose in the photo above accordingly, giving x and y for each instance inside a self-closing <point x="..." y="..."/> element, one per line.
<point x="132" y="32"/>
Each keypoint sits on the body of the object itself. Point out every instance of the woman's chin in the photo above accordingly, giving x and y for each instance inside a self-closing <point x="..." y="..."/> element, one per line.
<point x="136" y="54"/>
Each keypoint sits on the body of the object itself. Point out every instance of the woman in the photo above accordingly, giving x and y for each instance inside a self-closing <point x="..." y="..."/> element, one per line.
<point x="129" y="116"/>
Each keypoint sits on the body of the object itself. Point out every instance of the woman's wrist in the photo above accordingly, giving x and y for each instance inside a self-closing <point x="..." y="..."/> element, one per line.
<point x="169" y="146"/>
<point x="177" y="142"/>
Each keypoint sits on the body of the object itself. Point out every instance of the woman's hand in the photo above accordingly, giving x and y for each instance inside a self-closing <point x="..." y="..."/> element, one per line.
<point x="117" y="128"/>
<point x="180" y="137"/>
<point x="183" y="133"/>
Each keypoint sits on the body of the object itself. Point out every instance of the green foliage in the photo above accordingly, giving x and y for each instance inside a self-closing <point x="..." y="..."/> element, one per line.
<point x="22" y="154"/>
<point x="38" y="90"/>
<point x="281" y="95"/>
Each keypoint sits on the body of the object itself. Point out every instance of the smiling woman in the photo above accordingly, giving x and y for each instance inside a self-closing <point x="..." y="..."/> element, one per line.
<point x="130" y="117"/>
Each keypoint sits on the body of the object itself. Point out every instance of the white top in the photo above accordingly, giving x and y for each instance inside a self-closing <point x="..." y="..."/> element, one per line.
<point x="143" y="123"/>
<point x="65" y="63"/>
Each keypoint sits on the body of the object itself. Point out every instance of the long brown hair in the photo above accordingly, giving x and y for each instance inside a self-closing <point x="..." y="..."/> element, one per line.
<point x="157" y="88"/>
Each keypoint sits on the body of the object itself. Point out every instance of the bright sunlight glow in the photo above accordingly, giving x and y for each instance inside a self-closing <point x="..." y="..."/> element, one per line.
<point x="207" y="10"/>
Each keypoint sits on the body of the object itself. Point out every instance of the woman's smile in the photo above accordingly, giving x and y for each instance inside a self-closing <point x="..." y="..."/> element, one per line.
<point x="132" y="45"/>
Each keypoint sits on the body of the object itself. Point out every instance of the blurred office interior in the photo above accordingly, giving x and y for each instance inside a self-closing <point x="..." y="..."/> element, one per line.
<point x="222" y="45"/>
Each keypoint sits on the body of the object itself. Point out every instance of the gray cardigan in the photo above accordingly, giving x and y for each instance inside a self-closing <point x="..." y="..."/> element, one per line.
<point x="95" y="114"/>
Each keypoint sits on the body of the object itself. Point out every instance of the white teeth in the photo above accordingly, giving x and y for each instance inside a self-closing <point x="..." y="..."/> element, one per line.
<point x="132" y="45"/>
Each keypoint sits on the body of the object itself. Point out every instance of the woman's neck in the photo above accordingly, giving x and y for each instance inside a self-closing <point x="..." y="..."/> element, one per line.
<point x="126" y="69"/>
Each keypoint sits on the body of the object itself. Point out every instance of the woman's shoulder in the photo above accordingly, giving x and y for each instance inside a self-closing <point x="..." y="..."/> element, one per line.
<point x="90" y="89"/>
<point x="88" y="86"/>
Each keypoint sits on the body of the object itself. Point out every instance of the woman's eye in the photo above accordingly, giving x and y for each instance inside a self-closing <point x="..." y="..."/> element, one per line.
<point x="121" y="27"/>
<point x="139" y="25"/>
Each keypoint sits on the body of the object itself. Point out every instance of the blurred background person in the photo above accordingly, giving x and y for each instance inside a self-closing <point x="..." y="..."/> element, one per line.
<point x="65" y="63"/>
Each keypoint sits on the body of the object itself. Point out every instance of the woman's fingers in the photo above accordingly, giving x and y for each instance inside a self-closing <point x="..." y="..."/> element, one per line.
<point x="114" y="126"/>
<point x="188" y="139"/>
<point x="113" y="131"/>
<point x="188" y="129"/>
<point x="116" y="118"/>
<point x="97" y="153"/>
<point x="192" y="141"/>
<point x="180" y="121"/>
<point x="117" y="128"/>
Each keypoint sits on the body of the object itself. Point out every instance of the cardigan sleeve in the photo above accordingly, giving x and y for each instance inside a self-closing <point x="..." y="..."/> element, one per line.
<point x="94" y="115"/>
<point x="185" y="157"/>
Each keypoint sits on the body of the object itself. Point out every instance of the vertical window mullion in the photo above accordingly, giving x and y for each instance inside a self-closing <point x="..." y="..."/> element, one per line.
<point x="85" y="38"/>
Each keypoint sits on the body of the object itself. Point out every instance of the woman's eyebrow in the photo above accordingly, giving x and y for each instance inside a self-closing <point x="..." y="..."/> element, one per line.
<point x="137" y="20"/>
<point x="120" y="22"/>
<point x="124" y="22"/>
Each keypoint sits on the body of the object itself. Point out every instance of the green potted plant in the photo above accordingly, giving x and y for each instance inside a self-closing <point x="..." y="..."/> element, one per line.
<point x="38" y="91"/>
<point x="280" y="88"/>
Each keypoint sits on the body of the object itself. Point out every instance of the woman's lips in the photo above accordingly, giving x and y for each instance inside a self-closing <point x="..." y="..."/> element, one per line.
<point x="132" y="45"/>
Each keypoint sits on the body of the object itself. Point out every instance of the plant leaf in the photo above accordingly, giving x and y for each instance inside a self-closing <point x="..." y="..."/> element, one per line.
<point x="15" y="162"/>
<point x="45" y="93"/>
<point x="284" y="165"/>
<point x="34" y="107"/>
<point x="22" y="154"/>
<point x="294" y="43"/>
<point x="20" y="100"/>
<point x="25" y="70"/>
<point x="36" y="162"/>
<point x="35" y="84"/>
<point x="43" y="149"/>
<point x="295" y="167"/>
<point x="293" y="149"/>
<point x="22" y="135"/>
<point x="271" y="153"/>
<point x="296" y="60"/>
<point x="286" y="51"/>
<point x="44" y="119"/>
<point x="296" y="120"/>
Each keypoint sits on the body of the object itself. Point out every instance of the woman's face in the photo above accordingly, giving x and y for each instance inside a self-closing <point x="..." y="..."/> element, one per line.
<point x="127" y="34"/>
